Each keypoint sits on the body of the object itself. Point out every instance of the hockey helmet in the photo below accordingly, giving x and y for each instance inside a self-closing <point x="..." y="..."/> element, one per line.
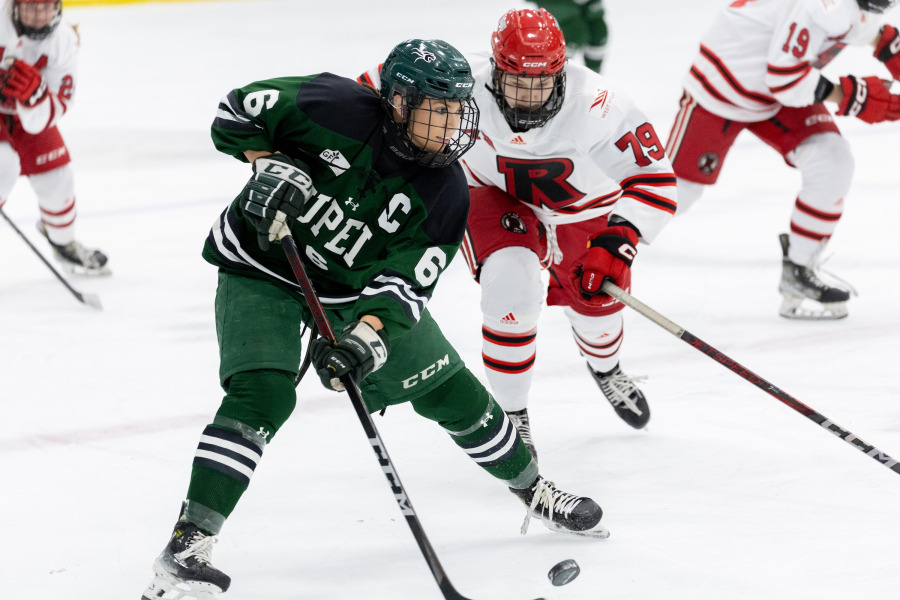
<point x="18" y="7"/>
<point x="528" y="44"/>
<point x="416" y="70"/>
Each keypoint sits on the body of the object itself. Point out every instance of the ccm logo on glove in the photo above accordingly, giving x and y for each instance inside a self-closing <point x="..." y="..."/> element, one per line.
<point x="610" y="255"/>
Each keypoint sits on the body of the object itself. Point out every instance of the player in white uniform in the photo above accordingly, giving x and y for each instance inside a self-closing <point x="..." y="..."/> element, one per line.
<point x="38" y="60"/>
<point x="759" y="68"/>
<point x="567" y="175"/>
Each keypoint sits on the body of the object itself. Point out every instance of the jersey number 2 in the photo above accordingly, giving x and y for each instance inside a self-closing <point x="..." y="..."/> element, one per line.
<point x="642" y="138"/>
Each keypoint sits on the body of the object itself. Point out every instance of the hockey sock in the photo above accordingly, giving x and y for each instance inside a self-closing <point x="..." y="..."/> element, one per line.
<point x="256" y="405"/>
<point x="479" y="426"/>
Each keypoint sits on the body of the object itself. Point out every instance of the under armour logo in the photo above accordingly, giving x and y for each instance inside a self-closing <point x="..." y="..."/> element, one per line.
<point x="263" y="433"/>
<point x="487" y="419"/>
<point x="353" y="205"/>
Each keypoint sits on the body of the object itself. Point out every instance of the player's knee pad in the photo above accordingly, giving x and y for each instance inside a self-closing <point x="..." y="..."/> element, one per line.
<point x="826" y="164"/>
<point x="511" y="283"/>
<point x="456" y="404"/>
<point x="688" y="193"/>
<point x="9" y="170"/>
<point x="54" y="189"/>
<point x="262" y="400"/>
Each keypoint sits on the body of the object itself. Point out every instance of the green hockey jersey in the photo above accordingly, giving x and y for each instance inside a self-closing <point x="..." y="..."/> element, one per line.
<point x="379" y="231"/>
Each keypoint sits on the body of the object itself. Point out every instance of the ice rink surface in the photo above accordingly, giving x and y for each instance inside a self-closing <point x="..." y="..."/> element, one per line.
<point x="727" y="494"/>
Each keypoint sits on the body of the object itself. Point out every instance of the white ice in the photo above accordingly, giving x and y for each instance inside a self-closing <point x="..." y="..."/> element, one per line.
<point x="728" y="494"/>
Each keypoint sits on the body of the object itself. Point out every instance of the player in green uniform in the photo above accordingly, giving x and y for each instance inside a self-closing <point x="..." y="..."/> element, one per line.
<point x="369" y="187"/>
<point x="583" y="23"/>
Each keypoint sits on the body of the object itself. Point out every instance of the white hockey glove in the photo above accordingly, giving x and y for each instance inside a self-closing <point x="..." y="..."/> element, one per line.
<point x="360" y="351"/>
<point x="276" y="195"/>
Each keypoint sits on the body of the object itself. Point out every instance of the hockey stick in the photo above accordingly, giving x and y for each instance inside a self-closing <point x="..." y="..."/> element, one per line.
<point x="89" y="299"/>
<point x="742" y="371"/>
<point x="403" y="501"/>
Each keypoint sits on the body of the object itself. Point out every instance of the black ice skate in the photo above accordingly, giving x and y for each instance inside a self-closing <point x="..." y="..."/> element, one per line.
<point x="806" y="296"/>
<point x="627" y="400"/>
<point x="519" y="418"/>
<point x="184" y="571"/>
<point x="76" y="259"/>
<point x="559" y="511"/>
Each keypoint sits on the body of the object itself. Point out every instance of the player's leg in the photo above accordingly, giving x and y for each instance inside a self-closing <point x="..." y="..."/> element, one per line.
<point x="502" y="251"/>
<point x="810" y="141"/>
<point x="260" y="353"/>
<point x="46" y="163"/>
<point x="597" y="329"/>
<point x="9" y="169"/>
<point x="697" y="146"/>
<point x="462" y="406"/>
<point x="598" y="34"/>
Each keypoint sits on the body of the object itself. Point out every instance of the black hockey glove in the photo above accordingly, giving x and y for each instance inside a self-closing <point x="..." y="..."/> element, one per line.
<point x="275" y="195"/>
<point x="360" y="350"/>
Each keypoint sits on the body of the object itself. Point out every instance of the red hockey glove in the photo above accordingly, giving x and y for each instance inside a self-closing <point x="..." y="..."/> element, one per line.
<point x="609" y="255"/>
<point x="24" y="83"/>
<point x="888" y="49"/>
<point x="868" y="99"/>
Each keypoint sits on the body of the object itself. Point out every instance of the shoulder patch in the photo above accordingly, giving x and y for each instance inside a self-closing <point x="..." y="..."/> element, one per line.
<point x="602" y="102"/>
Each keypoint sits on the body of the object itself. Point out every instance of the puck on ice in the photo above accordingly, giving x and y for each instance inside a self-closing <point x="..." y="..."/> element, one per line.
<point x="564" y="572"/>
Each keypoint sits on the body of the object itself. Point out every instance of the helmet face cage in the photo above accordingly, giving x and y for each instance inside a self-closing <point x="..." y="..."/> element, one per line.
<point x="876" y="6"/>
<point x="529" y="55"/>
<point x="35" y="33"/>
<point x="430" y="84"/>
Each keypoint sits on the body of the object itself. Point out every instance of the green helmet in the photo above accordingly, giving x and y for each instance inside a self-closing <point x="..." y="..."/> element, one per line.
<point x="416" y="69"/>
<point x="429" y="67"/>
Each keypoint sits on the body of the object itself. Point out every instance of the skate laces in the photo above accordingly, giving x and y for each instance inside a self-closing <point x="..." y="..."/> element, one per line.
<point x="554" y="500"/>
<point x="520" y="421"/>
<point x="620" y="388"/>
<point x="199" y="547"/>
<point x="815" y="267"/>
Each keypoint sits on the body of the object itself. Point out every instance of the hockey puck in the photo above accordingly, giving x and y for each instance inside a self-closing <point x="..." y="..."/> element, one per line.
<point x="563" y="572"/>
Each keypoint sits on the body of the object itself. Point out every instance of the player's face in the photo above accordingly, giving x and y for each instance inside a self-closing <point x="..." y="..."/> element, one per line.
<point x="434" y="124"/>
<point x="526" y="93"/>
<point x="37" y="14"/>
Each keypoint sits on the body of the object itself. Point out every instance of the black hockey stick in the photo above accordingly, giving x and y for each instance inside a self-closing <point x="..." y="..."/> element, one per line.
<point x="742" y="371"/>
<point x="89" y="299"/>
<point x="403" y="501"/>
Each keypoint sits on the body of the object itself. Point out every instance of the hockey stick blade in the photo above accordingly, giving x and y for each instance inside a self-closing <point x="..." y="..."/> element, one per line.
<point x="745" y="373"/>
<point x="365" y="419"/>
<point x="89" y="299"/>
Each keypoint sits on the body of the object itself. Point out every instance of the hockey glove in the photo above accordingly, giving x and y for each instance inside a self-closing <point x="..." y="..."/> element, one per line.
<point x="24" y="83"/>
<point x="888" y="49"/>
<point x="868" y="99"/>
<point x="609" y="256"/>
<point x="276" y="194"/>
<point x="360" y="351"/>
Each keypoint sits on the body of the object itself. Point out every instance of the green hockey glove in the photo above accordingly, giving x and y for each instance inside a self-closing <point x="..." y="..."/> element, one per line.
<point x="276" y="195"/>
<point x="360" y="351"/>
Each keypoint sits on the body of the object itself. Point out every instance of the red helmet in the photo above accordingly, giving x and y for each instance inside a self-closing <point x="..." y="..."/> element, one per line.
<point x="529" y="42"/>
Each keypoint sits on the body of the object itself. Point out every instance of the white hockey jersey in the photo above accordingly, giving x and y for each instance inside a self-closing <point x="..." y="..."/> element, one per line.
<point x="56" y="56"/>
<point x="598" y="155"/>
<point x="760" y="55"/>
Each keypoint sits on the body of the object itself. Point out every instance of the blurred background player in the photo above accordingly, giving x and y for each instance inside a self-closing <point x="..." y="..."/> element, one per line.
<point x="759" y="69"/>
<point x="583" y="23"/>
<point x="38" y="62"/>
<point x="370" y="187"/>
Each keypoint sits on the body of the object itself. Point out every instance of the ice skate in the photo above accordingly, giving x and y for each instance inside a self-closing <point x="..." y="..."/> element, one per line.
<point x="519" y="418"/>
<point x="627" y="400"/>
<point x="76" y="259"/>
<point x="806" y="296"/>
<point x="183" y="571"/>
<point x="560" y="511"/>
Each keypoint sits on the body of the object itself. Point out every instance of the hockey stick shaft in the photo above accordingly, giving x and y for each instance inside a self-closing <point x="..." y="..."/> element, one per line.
<point x="745" y="373"/>
<point x="89" y="299"/>
<point x="403" y="501"/>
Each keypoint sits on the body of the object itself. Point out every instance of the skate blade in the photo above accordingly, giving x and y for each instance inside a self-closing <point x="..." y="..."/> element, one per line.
<point x="598" y="532"/>
<point x="165" y="587"/>
<point x="82" y="271"/>
<point x="806" y="309"/>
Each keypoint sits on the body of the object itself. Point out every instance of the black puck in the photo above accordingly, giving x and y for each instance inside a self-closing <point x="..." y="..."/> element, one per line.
<point x="564" y="572"/>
